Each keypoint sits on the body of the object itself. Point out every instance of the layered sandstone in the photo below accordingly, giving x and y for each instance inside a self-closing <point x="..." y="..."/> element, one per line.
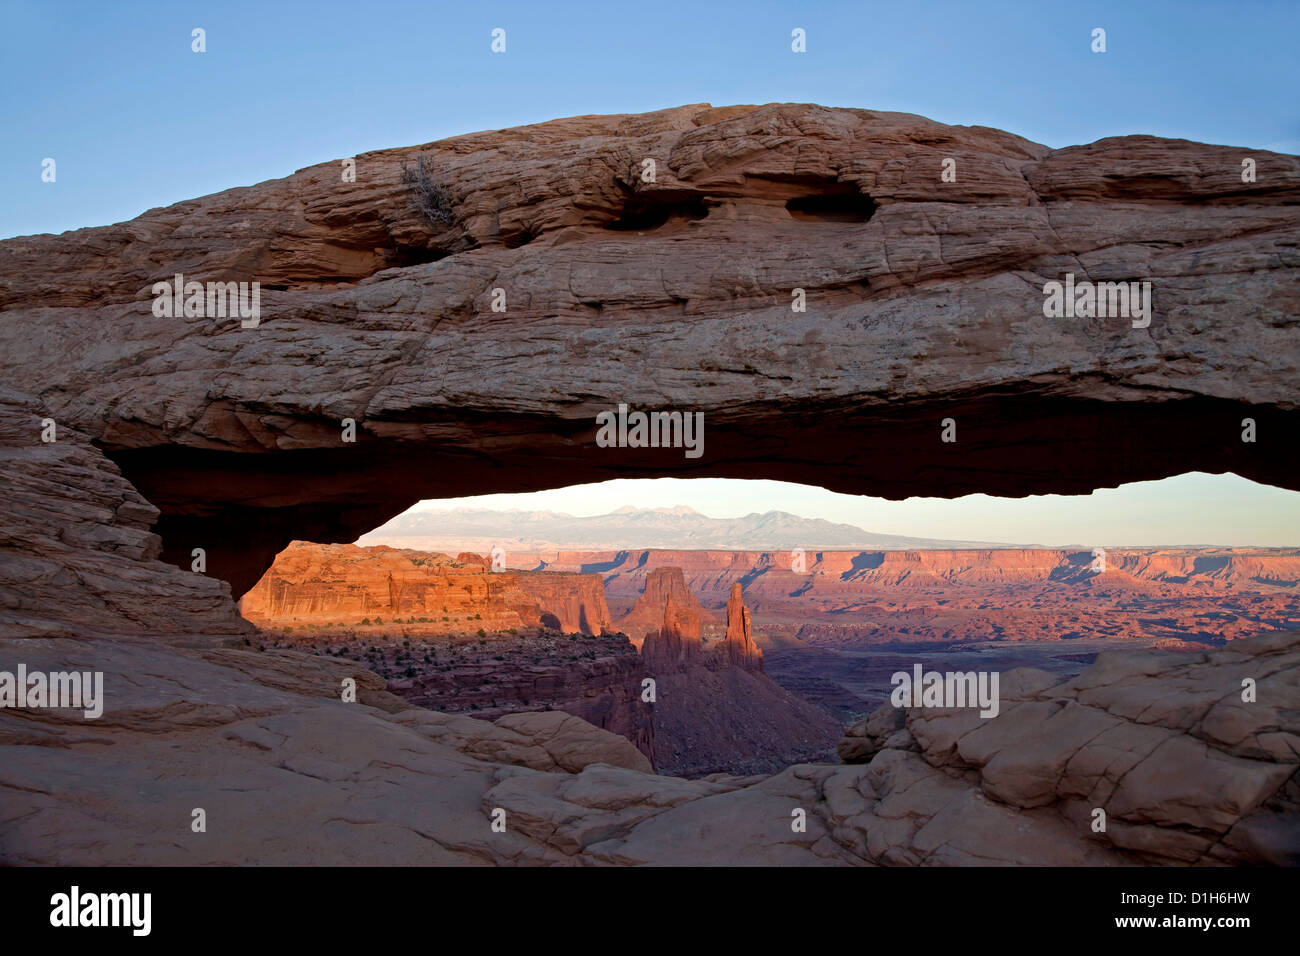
<point x="714" y="710"/>
<point x="665" y="588"/>
<point x="1185" y="769"/>
<point x="673" y="644"/>
<point x="857" y="598"/>
<point x="924" y="302"/>
<point x="738" y="646"/>
<point x="1185" y="772"/>
<point x="1187" y="766"/>
<point x="344" y="585"/>
<point x="77" y="556"/>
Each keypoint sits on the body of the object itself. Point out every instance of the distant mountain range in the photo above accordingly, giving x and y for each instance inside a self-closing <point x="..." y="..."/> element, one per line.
<point x="477" y="529"/>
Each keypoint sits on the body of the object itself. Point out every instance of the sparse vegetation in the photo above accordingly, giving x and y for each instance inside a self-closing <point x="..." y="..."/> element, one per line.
<point x="431" y="198"/>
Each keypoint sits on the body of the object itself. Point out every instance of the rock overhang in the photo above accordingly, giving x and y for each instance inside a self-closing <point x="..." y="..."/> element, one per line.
<point x="924" y="302"/>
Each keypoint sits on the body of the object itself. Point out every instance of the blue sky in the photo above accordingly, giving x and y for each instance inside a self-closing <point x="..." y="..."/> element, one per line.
<point x="134" y="119"/>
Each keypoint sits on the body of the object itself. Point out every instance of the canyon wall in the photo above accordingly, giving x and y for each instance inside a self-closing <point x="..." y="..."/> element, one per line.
<point x="595" y="678"/>
<point x="711" y="573"/>
<point x="345" y="584"/>
<point x="851" y="598"/>
<point x="715" y="711"/>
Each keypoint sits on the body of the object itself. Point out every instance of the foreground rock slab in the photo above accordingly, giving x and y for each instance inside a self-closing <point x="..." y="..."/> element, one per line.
<point x="288" y="773"/>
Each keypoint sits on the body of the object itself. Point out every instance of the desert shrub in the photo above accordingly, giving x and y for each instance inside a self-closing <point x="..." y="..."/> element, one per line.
<point x="431" y="198"/>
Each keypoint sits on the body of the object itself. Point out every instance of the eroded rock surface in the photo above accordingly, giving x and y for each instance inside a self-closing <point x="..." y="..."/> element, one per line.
<point x="1185" y="769"/>
<point x="343" y="585"/>
<point x="288" y="772"/>
<point x="77" y="556"/>
<point x="1186" y="773"/>
<point x="924" y="302"/>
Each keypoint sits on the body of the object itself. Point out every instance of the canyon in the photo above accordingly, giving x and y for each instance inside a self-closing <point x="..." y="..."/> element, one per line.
<point x="835" y="632"/>
<point x="856" y="599"/>
<point x="491" y="643"/>
<point x="832" y="633"/>
<point x="924" y="303"/>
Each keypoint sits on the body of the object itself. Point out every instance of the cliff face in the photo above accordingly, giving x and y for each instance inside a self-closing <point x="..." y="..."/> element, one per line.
<point x="712" y="573"/>
<point x="344" y="584"/>
<point x="714" y="709"/>
<point x="851" y="598"/>
<point x="665" y="604"/>
<point x="77" y="556"/>
<point x="924" y="301"/>
<point x="574" y="604"/>
<point x="739" y="646"/>
<point x="595" y="678"/>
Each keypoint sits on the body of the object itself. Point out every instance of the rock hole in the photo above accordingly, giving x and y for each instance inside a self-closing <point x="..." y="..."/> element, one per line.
<point x="642" y="215"/>
<point x="403" y="256"/>
<point x="517" y="239"/>
<point x="843" y="204"/>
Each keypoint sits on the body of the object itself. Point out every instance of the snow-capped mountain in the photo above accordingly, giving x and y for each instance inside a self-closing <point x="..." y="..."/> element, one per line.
<point x="629" y="527"/>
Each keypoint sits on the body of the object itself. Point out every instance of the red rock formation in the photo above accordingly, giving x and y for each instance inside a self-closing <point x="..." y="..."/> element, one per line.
<point x="715" y="710"/>
<point x="573" y="603"/>
<point x="595" y="678"/>
<point x="662" y="586"/>
<point x="346" y="584"/>
<point x="676" y="642"/>
<point x="849" y="598"/>
<point x="739" y="647"/>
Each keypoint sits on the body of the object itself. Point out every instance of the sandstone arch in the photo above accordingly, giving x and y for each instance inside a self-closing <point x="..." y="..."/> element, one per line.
<point x="925" y="306"/>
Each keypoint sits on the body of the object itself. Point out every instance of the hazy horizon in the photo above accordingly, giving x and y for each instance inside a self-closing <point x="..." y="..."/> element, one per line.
<point x="1194" y="509"/>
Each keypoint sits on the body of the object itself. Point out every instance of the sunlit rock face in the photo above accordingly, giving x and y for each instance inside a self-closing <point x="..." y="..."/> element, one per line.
<point x="343" y="585"/>
<point x="923" y="295"/>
